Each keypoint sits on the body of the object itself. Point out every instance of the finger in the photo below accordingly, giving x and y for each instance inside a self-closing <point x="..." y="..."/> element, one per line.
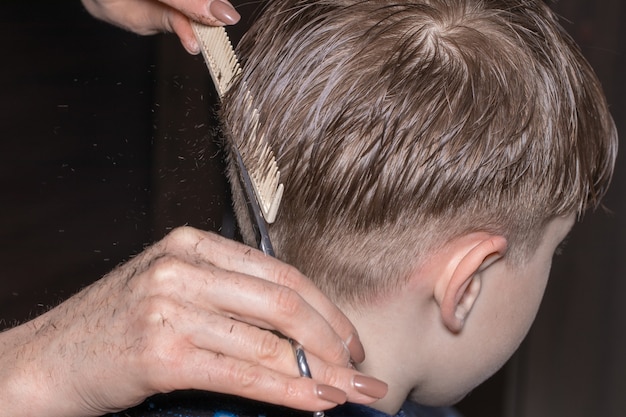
<point x="174" y="21"/>
<point x="253" y="345"/>
<point x="234" y="256"/>
<point x="212" y="12"/>
<point x="209" y="371"/>
<point x="360" y="388"/>
<point x="271" y="306"/>
<point x="145" y="17"/>
<point x="181" y="25"/>
<point x="249" y="299"/>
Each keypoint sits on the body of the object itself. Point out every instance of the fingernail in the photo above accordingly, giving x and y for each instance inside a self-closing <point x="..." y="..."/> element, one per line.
<point x="193" y="47"/>
<point x="332" y="394"/>
<point x="369" y="386"/>
<point x="224" y="12"/>
<point x="357" y="352"/>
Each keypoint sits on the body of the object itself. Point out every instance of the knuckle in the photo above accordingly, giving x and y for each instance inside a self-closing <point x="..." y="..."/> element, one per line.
<point x="329" y="376"/>
<point x="249" y="376"/>
<point x="288" y="276"/>
<point x="162" y="273"/>
<point x="291" y="389"/>
<point x="166" y="21"/>
<point x="287" y="302"/>
<point x="150" y="337"/>
<point x="157" y="305"/>
<point x="165" y="266"/>
<point x="337" y="353"/>
<point x="157" y="312"/>
<point x="269" y="347"/>
<point x="196" y="245"/>
<point x="182" y="235"/>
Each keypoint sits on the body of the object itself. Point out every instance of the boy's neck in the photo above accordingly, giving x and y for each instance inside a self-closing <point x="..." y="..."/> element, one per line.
<point x="393" y="335"/>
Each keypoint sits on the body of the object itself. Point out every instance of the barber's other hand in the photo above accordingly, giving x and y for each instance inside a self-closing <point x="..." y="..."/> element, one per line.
<point x="147" y="17"/>
<point x="187" y="313"/>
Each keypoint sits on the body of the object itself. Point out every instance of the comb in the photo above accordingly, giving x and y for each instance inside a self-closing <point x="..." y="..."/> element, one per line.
<point x="260" y="162"/>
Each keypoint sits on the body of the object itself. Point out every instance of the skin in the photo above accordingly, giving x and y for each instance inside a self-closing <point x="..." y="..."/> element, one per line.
<point x="193" y="311"/>
<point x="147" y="17"/>
<point x="457" y="321"/>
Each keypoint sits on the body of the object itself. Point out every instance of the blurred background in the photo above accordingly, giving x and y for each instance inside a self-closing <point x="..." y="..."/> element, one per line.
<point x="103" y="150"/>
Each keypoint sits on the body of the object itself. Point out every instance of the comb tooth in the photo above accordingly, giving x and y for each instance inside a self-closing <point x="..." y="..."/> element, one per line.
<point x="218" y="54"/>
<point x="266" y="177"/>
<point x="260" y="161"/>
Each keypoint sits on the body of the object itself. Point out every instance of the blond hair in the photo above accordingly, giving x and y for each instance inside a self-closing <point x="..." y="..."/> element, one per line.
<point x="399" y="125"/>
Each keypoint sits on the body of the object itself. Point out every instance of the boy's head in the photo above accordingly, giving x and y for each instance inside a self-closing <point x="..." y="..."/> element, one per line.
<point x="399" y="125"/>
<point x="422" y="138"/>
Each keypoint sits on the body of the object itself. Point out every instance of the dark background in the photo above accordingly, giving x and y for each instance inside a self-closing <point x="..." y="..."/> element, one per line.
<point x="103" y="151"/>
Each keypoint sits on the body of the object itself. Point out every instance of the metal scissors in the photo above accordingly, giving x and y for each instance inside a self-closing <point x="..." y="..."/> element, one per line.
<point x="303" y="366"/>
<point x="260" y="227"/>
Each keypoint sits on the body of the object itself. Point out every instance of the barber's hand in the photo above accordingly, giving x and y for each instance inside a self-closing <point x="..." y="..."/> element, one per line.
<point x="194" y="311"/>
<point x="148" y="17"/>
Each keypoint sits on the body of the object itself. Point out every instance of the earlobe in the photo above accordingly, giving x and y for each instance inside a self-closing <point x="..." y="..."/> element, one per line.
<point x="461" y="289"/>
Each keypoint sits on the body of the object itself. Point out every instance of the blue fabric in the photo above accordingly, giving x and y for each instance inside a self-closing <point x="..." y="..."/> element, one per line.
<point x="409" y="409"/>
<point x="201" y="404"/>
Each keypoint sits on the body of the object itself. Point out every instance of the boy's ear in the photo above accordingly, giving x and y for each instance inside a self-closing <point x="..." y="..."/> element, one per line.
<point x="457" y="290"/>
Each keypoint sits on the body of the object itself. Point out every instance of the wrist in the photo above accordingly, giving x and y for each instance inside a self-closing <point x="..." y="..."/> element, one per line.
<point x="18" y="373"/>
<point x="29" y="386"/>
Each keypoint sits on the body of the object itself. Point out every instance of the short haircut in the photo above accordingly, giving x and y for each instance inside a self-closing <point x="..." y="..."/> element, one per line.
<point x="399" y="125"/>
